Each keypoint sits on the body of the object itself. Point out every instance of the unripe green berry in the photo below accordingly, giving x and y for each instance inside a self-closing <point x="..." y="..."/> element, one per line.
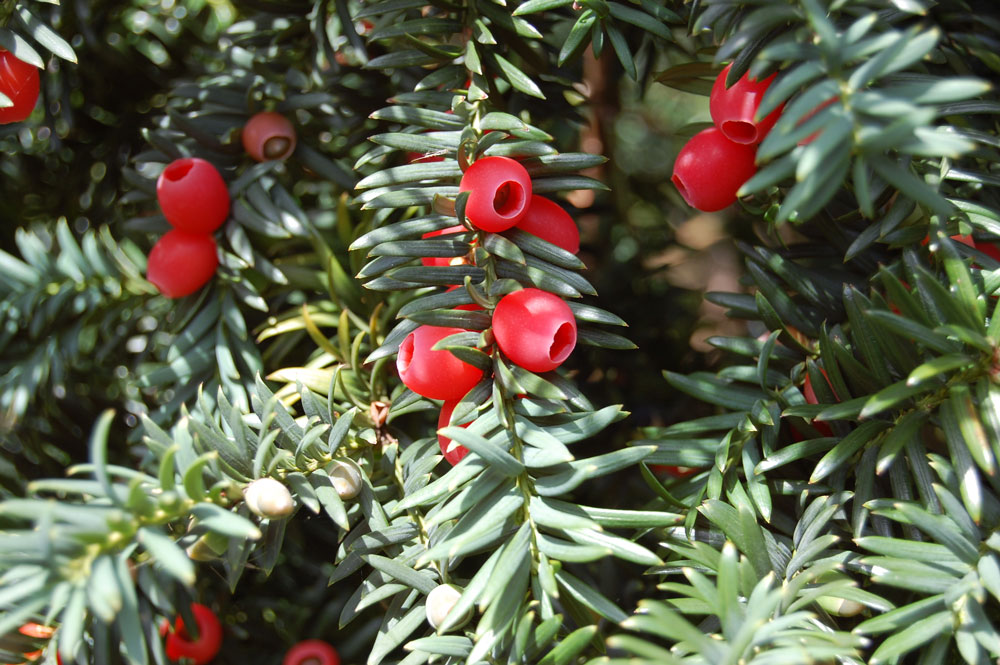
<point x="840" y="607"/>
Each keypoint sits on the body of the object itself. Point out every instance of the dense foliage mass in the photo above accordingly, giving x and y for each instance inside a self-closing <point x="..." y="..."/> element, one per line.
<point x="314" y="343"/>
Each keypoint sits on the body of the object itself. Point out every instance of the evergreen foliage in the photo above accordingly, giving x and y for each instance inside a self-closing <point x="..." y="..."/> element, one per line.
<point x="845" y="499"/>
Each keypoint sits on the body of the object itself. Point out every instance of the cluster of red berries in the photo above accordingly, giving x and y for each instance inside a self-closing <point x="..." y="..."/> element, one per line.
<point x="20" y="83"/>
<point x="194" y="199"/>
<point x="179" y="645"/>
<point x="714" y="164"/>
<point x="39" y="632"/>
<point x="535" y="329"/>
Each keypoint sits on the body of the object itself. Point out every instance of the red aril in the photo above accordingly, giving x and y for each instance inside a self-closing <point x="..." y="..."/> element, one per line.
<point x="198" y="652"/>
<point x="181" y="263"/>
<point x="441" y="261"/>
<point x="734" y="110"/>
<point x="675" y="471"/>
<point x="20" y="83"/>
<point x="535" y="329"/>
<point x="434" y="374"/>
<point x="547" y="220"/>
<point x="268" y="136"/>
<point x="193" y="195"/>
<point x="468" y="307"/>
<point x="453" y="453"/>
<point x="810" y="394"/>
<point x="311" y="652"/>
<point x="499" y="191"/>
<point x="710" y="169"/>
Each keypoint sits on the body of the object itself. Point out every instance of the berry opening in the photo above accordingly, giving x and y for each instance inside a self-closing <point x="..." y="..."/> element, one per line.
<point x="739" y="131"/>
<point x="562" y="343"/>
<point x="405" y="353"/>
<point x="679" y="184"/>
<point x="509" y="199"/>
<point x="275" y="148"/>
<point x="178" y="170"/>
<point x="311" y="660"/>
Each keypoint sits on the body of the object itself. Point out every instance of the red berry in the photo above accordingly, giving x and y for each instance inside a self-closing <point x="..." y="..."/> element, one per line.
<point x="710" y="169"/>
<point x="193" y="195"/>
<point x="181" y="263"/>
<point x="470" y="307"/>
<point x="965" y="240"/>
<point x="20" y="83"/>
<point x="499" y="191"/>
<point x="434" y="374"/>
<point x="535" y="329"/>
<point x="442" y="260"/>
<point x="455" y="455"/>
<point x="423" y="158"/>
<point x="36" y="630"/>
<point x="990" y="249"/>
<point x="675" y="471"/>
<point x="268" y="135"/>
<point x="810" y="394"/>
<point x="734" y="110"/>
<point x="547" y="220"/>
<point x="201" y="651"/>
<point x="311" y="652"/>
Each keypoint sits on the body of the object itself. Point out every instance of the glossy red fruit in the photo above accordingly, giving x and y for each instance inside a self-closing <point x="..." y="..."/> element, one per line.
<point x="810" y="394"/>
<point x="439" y="261"/>
<point x="535" y="329"/>
<point x="434" y="374"/>
<point x="965" y="240"/>
<point x="469" y="307"/>
<point x="268" y="136"/>
<point x="499" y="191"/>
<point x="20" y="83"/>
<point x="734" y="110"/>
<point x="457" y="452"/>
<point x="990" y="249"/>
<point x="181" y="263"/>
<point x="311" y="652"/>
<point x="33" y="656"/>
<point x="39" y="632"/>
<point x="547" y="220"/>
<point x="36" y="630"/>
<point x="710" y="169"/>
<point x="675" y="471"/>
<point x="179" y="645"/>
<point x="423" y="158"/>
<point x="193" y="195"/>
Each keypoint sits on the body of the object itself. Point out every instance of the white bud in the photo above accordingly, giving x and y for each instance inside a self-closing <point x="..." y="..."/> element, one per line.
<point x="346" y="479"/>
<point x="268" y="498"/>
<point x="440" y="601"/>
